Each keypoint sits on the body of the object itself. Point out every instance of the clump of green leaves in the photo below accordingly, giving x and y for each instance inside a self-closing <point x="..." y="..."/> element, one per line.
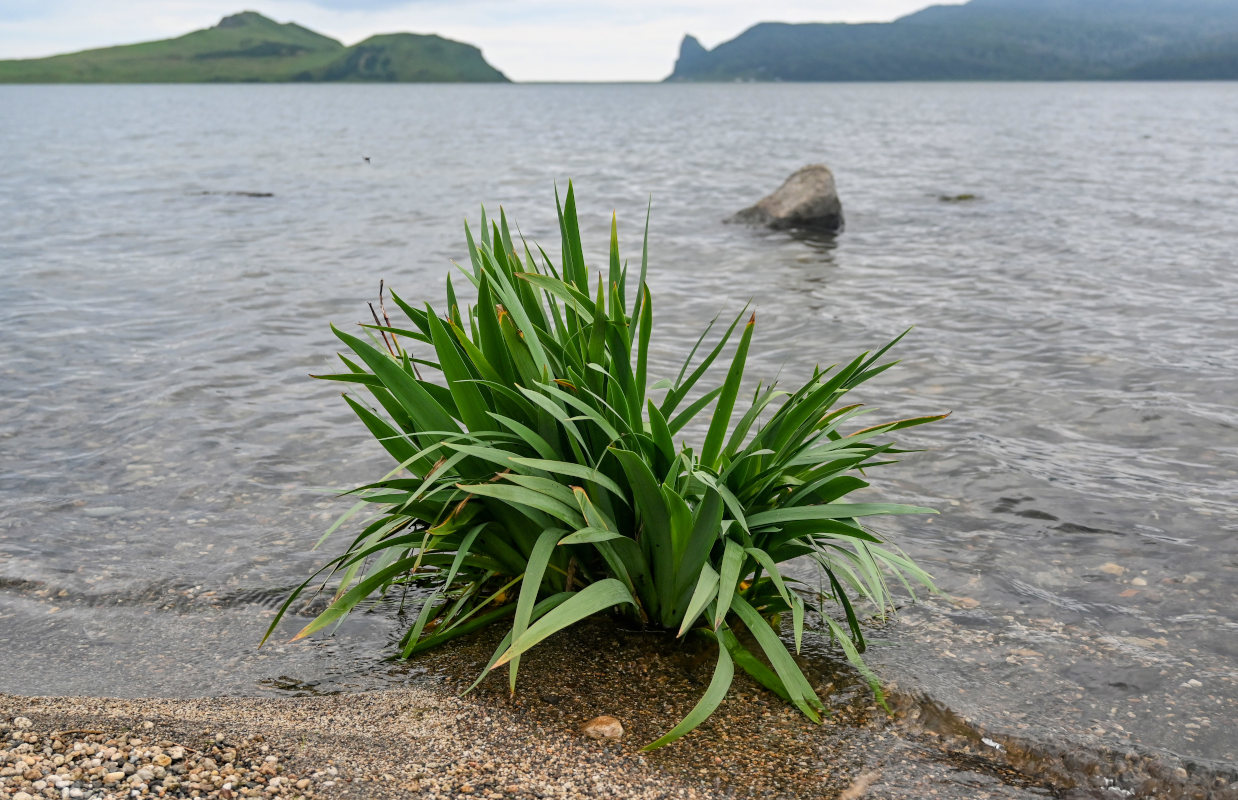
<point x="539" y="481"/>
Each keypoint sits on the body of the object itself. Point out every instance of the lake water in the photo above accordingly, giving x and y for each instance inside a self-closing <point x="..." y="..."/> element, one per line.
<point x="161" y="448"/>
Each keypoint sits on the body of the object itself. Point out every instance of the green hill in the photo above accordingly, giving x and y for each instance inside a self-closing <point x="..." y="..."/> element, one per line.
<point x="249" y="47"/>
<point x="407" y="57"/>
<point x="986" y="40"/>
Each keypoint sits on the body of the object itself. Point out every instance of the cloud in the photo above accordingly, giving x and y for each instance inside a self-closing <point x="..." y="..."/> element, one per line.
<point x="359" y="5"/>
<point x="18" y="10"/>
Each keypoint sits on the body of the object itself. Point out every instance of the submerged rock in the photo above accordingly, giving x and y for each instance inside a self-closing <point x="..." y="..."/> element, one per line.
<point x="807" y="200"/>
<point x="240" y="194"/>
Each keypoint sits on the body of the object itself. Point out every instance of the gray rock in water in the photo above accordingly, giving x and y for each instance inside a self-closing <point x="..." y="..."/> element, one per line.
<point x="807" y="200"/>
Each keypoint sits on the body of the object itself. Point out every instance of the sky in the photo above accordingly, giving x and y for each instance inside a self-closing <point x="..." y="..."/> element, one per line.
<point x="529" y="40"/>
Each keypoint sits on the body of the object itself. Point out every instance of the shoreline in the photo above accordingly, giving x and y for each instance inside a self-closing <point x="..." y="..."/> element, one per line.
<point x="424" y="740"/>
<point x="425" y="743"/>
<point x="428" y="743"/>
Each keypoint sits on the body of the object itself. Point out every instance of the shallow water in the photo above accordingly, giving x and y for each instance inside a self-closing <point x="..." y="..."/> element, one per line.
<point x="160" y="445"/>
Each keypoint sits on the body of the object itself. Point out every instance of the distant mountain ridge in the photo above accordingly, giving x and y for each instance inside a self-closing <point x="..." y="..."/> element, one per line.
<point x="248" y="47"/>
<point x="987" y="40"/>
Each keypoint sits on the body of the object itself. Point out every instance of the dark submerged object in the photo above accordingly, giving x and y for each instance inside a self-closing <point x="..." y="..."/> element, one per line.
<point x="239" y="194"/>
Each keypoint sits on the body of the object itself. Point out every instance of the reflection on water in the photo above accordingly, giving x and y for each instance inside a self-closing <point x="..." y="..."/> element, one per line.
<point x="172" y="256"/>
<point x="823" y="244"/>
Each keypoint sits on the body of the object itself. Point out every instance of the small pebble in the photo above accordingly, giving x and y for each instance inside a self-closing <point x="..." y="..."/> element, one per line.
<point x="603" y="727"/>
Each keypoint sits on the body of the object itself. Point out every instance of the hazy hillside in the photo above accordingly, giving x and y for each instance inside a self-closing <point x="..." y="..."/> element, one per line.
<point x="986" y="40"/>
<point x="406" y="57"/>
<point x="250" y="47"/>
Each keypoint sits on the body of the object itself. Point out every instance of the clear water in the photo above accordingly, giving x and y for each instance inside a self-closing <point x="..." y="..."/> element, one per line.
<point x="160" y="442"/>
